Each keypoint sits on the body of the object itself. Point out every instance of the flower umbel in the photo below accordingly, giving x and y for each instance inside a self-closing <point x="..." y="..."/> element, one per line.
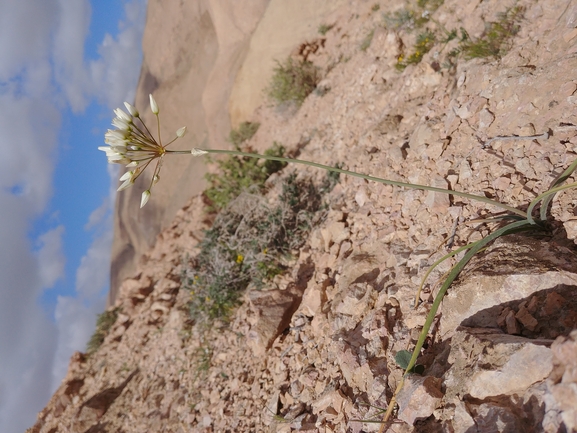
<point x="133" y="145"/>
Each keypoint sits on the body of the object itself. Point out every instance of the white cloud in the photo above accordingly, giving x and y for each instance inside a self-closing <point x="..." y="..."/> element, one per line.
<point x="43" y="71"/>
<point x="76" y="321"/>
<point x="25" y="28"/>
<point x="120" y="59"/>
<point x="69" y="70"/>
<point x="51" y="259"/>
<point x="92" y="276"/>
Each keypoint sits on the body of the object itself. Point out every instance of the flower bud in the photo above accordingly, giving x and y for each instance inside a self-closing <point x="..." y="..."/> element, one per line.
<point x="180" y="133"/>
<point x="153" y="105"/>
<point x="145" y="197"/>
<point x="131" y="109"/>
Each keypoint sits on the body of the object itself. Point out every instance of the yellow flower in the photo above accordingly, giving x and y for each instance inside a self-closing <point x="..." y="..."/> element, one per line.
<point x="239" y="258"/>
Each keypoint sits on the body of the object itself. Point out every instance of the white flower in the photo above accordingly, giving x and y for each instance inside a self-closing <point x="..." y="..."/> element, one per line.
<point x="153" y="105"/>
<point x="144" y="199"/>
<point x="133" y="145"/>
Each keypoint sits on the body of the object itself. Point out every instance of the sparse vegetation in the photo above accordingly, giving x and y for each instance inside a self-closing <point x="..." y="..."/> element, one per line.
<point x="495" y="41"/>
<point x="243" y="133"/>
<point x="367" y="41"/>
<point x="249" y="243"/>
<point x="104" y="322"/>
<point x="238" y="174"/>
<point x="425" y="41"/>
<point x="293" y="81"/>
<point x="324" y="28"/>
<point x="409" y="18"/>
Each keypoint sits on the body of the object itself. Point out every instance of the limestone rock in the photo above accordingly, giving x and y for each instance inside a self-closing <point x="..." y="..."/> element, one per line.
<point x="419" y="398"/>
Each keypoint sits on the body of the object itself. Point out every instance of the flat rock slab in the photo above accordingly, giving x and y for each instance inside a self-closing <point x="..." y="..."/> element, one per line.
<point x="513" y="269"/>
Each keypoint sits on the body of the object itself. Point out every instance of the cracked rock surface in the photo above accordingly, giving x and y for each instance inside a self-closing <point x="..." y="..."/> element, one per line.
<point x="317" y="353"/>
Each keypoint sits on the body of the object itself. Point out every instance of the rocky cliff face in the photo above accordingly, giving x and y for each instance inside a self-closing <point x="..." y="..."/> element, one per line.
<point x="315" y="350"/>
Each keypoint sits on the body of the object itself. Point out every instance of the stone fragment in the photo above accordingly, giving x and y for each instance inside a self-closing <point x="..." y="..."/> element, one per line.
<point x="361" y="196"/>
<point x="334" y="233"/>
<point x="526" y="319"/>
<point x="273" y="309"/>
<point x="419" y="398"/>
<point x="421" y="137"/>
<point x="436" y="201"/>
<point x="513" y="268"/>
<point x="511" y="323"/>
<point x="571" y="229"/>
<point x="528" y="365"/>
<point x="486" y="118"/>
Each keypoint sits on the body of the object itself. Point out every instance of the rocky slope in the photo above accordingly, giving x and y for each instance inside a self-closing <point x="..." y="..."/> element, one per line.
<point x="315" y="350"/>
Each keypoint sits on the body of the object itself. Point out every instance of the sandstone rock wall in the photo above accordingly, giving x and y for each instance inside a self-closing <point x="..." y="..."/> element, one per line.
<point x="192" y="52"/>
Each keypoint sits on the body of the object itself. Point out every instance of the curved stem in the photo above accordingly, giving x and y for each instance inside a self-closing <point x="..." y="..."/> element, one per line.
<point x="362" y="176"/>
<point x="544" y="197"/>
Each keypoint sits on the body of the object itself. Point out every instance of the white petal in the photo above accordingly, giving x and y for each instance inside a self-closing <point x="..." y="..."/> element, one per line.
<point x="127" y="184"/>
<point x="180" y="133"/>
<point x="122" y="115"/>
<point x="121" y="124"/>
<point x="126" y="175"/>
<point x="131" y="109"/>
<point x="153" y="105"/>
<point x="144" y="199"/>
<point x="198" y="152"/>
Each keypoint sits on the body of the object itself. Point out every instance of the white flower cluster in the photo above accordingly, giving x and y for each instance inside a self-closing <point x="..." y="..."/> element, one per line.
<point x="132" y="144"/>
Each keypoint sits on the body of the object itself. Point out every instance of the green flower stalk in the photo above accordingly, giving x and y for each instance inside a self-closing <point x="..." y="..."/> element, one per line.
<point x="133" y="145"/>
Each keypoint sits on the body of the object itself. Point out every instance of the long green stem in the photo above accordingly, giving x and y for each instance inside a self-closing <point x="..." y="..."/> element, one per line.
<point x="455" y="271"/>
<point x="362" y="176"/>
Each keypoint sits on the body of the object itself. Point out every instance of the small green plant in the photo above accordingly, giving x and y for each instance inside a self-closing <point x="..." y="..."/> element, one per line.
<point x="240" y="174"/>
<point x="293" y="81"/>
<point x="494" y="42"/>
<point x="203" y="358"/>
<point x="324" y="28"/>
<point x="410" y="19"/>
<point x="243" y="133"/>
<point x="400" y="19"/>
<point x="367" y="41"/>
<point x="425" y="41"/>
<point x="246" y="245"/>
<point x="403" y="357"/>
<point x="375" y="7"/>
<point x="104" y="322"/>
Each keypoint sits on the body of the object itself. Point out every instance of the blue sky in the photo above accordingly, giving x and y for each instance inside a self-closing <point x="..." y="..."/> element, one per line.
<point x="64" y="65"/>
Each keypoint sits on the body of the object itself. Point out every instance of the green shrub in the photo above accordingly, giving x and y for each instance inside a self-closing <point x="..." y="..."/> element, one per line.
<point x="240" y="174"/>
<point x="425" y="41"/>
<point x="495" y="40"/>
<point x="293" y="81"/>
<point x="244" y="132"/>
<point x="104" y="322"/>
<point x="248" y="244"/>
